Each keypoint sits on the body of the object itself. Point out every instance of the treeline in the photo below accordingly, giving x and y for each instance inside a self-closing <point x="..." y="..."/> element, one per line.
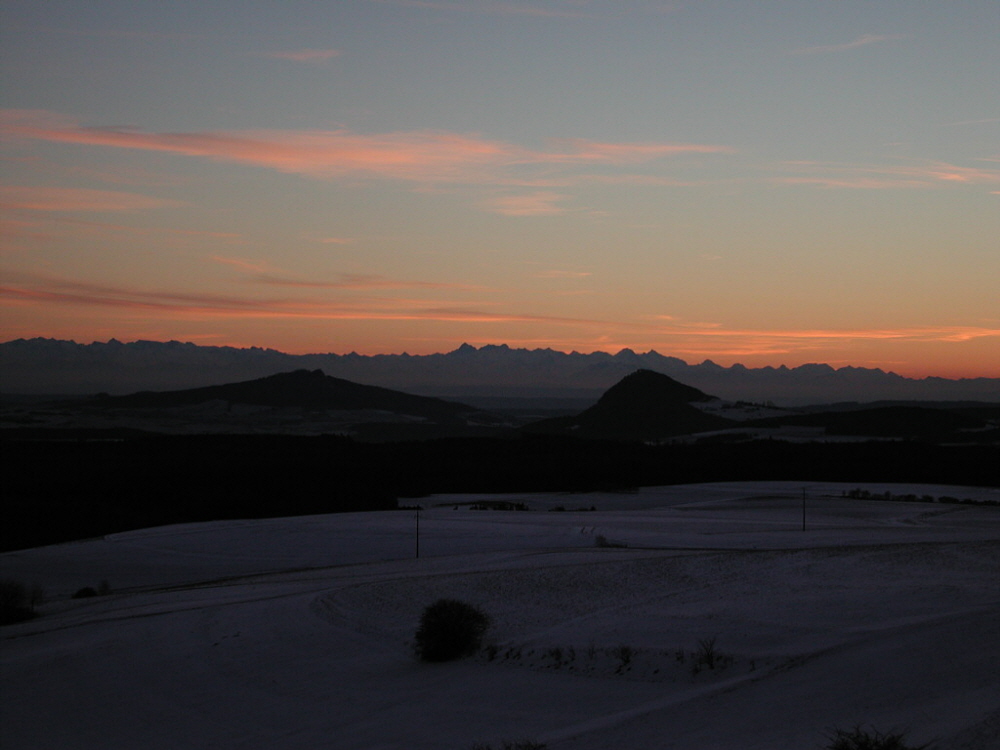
<point x="860" y="494"/>
<point x="58" y="491"/>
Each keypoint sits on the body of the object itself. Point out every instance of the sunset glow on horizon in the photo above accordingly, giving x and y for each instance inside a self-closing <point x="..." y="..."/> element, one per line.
<point x="758" y="183"/>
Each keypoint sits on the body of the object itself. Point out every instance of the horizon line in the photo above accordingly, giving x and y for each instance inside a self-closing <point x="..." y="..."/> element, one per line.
<point x="465" y="346"/>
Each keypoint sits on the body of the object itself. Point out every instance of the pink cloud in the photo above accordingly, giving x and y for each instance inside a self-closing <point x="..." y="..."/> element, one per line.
<point x="596" y="152"/>
<point x="425" y="156"/>
<point x="922" y="174"/>
<point x="862" y="41"/>
<point x="76" y="199"/>
<point x="306" y="55"/>
<point x="534" y="204"/>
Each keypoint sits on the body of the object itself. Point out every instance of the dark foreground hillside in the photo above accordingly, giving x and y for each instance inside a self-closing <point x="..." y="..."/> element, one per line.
<point x="58" y="491"/>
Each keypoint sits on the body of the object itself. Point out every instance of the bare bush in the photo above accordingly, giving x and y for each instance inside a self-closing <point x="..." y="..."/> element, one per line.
<point x="450" y="629"/>
<point x="17" y="601"/>
<point x="859" y="738"/>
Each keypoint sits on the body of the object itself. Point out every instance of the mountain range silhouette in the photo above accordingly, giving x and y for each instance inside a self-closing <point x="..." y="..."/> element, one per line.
<point x="468" y="374"/>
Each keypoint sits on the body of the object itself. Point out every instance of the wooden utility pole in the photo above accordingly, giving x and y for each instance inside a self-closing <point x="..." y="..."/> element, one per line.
<point x="803" y="508"/>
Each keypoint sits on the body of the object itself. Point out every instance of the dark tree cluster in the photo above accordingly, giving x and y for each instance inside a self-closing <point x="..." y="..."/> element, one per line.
<point x="61" y="490"/>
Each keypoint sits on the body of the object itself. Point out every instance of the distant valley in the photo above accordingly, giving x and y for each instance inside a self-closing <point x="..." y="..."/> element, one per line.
<point x="644" y="406"/>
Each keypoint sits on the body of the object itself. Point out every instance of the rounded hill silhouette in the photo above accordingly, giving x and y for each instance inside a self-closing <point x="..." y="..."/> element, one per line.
<point x="307" y="389"/>
<point x="644" y="405"/>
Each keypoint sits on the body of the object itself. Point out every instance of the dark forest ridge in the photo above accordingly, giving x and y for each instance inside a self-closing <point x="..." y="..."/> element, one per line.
<point x="644" y="406"/>
<point x="50" y="366"/>
<point x="303" y="442"/>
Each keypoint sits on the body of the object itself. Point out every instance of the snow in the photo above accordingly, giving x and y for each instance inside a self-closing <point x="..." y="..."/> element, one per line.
<point x="296" y="632"/>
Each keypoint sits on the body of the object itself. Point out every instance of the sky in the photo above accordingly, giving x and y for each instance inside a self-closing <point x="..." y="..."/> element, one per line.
<point x="769" y="182"/>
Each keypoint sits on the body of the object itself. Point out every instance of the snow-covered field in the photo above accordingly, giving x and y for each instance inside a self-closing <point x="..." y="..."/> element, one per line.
<point x="296" y="633"/>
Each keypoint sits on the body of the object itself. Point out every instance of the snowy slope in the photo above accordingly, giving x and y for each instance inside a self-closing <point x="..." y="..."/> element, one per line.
<point x="295" y="633"/>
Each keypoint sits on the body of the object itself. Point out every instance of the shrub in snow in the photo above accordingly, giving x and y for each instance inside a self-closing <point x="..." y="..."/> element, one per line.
<point x="624" y="654"/>
<point x="706" y="653"/>
<point x="861" y="739"/>
<point x="450" y="629"/>
<point x="103" y="589"/>
<point x="17" y="603"/>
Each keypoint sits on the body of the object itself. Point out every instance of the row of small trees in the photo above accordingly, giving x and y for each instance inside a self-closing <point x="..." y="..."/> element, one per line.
<point x="860" y="494"/>
<point x="452" y="629"/>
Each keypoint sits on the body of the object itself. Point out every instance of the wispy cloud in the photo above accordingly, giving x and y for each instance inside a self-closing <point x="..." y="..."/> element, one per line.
<point x="264" y="273"/>
<point x="306" y="55"/>
<point x="862" y="41"/>
<point x="76" y="199"/>
<point x="964" y="123"/>
<point x="335" y="240"/>
<point x="598" y="152"/>
<point x="533" y="204"/>
<point x="556" y="273"/>
<point x="915" y="333"/>
<point x="166" y="304"/>
<point x="666" y="333"/>
<point x="696" y="341"/>
<point x="921" y="174"/>
<point x="422" y="156"/>
<point x="484" y="7"/>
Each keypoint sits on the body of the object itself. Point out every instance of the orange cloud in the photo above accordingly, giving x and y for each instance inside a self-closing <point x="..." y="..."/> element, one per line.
<point x="173" y="305"/>
<point x="703" y="338"/>
<point x="264" y="273"/>
<point x="556" y="273"/>
<point x="425" y="156"/>
<point x="336" y="240"/>
<point x="700" y="340"/>
<point x="918" y="333"/>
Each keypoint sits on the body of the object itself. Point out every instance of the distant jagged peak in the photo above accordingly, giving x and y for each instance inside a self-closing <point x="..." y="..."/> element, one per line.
<point x="301" y="373"/>
<point x="816" y="368"/>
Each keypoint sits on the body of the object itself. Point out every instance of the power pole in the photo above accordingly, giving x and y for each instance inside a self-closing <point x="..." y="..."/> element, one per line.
<point x="418" y="532"/>
<point x="803" y="508"/>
